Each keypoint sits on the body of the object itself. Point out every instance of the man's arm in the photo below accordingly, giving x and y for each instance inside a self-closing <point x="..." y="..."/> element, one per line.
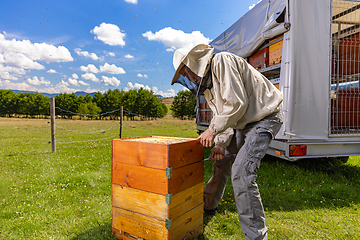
<point x="229" y="91"/>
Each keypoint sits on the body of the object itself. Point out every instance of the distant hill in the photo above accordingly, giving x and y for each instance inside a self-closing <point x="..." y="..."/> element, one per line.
<point x="79" y="93"/>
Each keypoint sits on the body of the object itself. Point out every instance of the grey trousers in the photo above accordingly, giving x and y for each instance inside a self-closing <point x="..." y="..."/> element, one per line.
<point x="241" y="161"/>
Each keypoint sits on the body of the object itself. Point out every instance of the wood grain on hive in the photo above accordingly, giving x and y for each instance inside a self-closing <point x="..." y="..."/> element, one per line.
<point x="157" y="188"/>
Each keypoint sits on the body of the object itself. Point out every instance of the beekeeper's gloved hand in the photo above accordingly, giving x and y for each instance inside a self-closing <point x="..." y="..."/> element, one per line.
<point x="217" y="153"/>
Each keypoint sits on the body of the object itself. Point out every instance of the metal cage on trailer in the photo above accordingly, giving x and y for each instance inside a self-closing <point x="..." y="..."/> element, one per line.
<point x="310" y="50"/>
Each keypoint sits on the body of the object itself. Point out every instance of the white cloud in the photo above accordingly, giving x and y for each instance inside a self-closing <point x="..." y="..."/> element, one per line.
<point x="109" y="34"/>
<point x="176" y="38"/>
<point x="110" y="54"/>
<point x="136" y="86"/>
<point x="6" y="84"/>
<point x="113" y="81"/>
<point x="83" y="83"/>
<point x="89" y="68"/>
<point x="6" y="70"/>
<point x="142" y="76"/>
<point x="36" y="81"/>
<point x="62" y="87"/>
<point x="107" y="68"/>
<point x="51" y="71"/>
<point x="73" y="82"/>
<point x="17" y="56"/>
<point x="131" y="1"/>
<point x="20" y="60"/>
<point x="86" y="54"/>
<point x="129" y="56"/>
<point x="7" y="75"/>
<point x="90" y="77"/>
<point x="35" y="51"/>
<point x="169" y="93"/>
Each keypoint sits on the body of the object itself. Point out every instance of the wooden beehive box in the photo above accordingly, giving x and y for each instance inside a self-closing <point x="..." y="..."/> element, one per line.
<point x="275" y="51"/>
<point x="157" y="188"/>
<point x="260" y="59"/>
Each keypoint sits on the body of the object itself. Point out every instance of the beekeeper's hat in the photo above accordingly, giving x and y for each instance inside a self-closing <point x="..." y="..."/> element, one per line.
<point x="197" y="59"/>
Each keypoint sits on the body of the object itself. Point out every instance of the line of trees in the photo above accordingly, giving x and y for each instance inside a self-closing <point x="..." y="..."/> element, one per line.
<point x="141" y="102"/>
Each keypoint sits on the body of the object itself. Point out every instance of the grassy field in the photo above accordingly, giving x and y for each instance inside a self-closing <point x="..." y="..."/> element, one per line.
<point x="67" y="194"/>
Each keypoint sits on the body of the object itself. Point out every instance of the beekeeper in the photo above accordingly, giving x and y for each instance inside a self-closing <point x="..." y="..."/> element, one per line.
<point x="246" y="117"/>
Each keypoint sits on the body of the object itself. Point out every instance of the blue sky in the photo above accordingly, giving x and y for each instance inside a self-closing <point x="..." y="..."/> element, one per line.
<point x="68" y="46"/>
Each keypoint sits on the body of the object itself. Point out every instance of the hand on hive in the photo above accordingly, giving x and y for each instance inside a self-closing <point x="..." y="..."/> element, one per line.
<point x="217" y="153"/>
<point x="206" y="138"/>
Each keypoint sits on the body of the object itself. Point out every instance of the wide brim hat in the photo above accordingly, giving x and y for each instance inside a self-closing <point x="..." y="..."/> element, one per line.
<point x="197" y="59"/>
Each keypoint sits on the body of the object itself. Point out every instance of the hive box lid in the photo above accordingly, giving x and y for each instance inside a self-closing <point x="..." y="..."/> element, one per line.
<point x="157" y="152"/>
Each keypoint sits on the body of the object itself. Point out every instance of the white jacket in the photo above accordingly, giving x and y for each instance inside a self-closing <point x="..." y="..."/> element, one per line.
<point x="240" y="95"/>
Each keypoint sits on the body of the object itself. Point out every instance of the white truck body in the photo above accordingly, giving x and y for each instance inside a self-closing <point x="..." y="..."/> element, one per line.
<point x="320" y="85"/>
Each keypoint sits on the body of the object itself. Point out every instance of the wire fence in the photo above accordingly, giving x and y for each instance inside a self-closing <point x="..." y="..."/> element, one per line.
<point x="102" y="131"/>
<point x="88" y="115"/>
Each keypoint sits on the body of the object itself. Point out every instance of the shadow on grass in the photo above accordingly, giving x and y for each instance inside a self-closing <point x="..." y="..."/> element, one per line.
<point x="304" y="184"/>
<point x="101" y="232"/>
<point x="308" y="183"/>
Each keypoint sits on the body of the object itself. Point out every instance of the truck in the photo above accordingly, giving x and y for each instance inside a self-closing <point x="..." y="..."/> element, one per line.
<point x="310" y="50"/>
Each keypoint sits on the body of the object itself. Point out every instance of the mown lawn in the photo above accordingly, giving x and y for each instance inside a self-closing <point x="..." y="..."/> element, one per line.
<point x="67" y="194"/>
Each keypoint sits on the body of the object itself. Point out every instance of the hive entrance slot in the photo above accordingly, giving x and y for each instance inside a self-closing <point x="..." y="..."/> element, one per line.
<point x="133" y="237"/>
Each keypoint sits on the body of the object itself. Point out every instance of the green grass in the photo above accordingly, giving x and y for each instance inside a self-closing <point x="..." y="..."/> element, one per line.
<point x="67" y="194"/>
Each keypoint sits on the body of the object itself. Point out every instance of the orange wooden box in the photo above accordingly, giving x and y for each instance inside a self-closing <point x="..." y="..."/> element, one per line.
<point x="157" y="188"/>
<point x="275" y="51"/>
<point x="260" y="59"/>
<point x="157" y="164"/>
<point x="138" y="214"/>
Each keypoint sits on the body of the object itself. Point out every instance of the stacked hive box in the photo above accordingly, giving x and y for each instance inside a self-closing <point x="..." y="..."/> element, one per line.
<point x="260" y="59"/>
<point x="205" y="113"/>
<point x="275" y="50"/>
<point x="157" y="188"/>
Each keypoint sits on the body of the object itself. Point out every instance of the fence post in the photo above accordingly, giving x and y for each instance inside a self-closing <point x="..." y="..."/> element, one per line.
<point x="121" y="120"/>
<point x="52" y="117"/>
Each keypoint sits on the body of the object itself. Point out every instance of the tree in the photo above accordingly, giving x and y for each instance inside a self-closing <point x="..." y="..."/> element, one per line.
<point x="112" y="100"/>
<point x="99" y="100"/>
<point x="68" y="104"/>
<point x="8" y="101"/>
<point x="130" y="103"/>
<point x="89" y="109"/>
<point x="26" y="104"/>
<point x="41" y="106"/>
<point x="183" y="105"/>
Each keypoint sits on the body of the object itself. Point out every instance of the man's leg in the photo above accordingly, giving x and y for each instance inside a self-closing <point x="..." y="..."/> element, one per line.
<point x="215" y="188"/>
<point x="244" y="172"/>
